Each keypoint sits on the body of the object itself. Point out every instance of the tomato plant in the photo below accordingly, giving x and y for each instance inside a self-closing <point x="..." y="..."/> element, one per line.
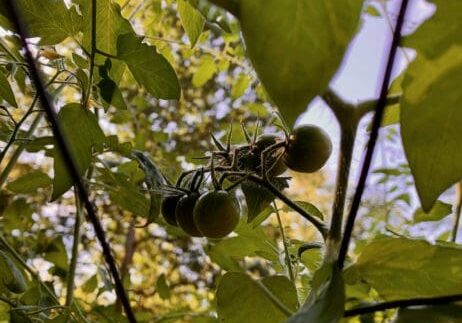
<point x="152" y="168"/>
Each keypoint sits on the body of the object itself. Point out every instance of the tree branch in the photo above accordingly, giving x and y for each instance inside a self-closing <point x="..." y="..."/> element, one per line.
<point x="373" y="137"/>
<point x="61" y="141"/>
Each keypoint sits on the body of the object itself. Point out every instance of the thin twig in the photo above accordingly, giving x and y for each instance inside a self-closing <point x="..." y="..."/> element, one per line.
<point x="75" y="249"/>
<point x="23" y="119"/>
<point x="373" y="137"/>
<point x="284" y="243"/>
<point x="69" y="160"/>
<point x="322" y="228"/>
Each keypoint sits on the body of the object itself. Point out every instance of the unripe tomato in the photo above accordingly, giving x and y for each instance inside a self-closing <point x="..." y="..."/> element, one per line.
<point x="216" y="214"/>
<point x="184" y="214"/>
<point x="168" y="208"/>
<point x="277" y="166"/>
<point x="308" y="149"/>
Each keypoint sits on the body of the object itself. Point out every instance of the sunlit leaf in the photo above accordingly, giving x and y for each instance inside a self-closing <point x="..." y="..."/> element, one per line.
<point x="149" y="68"/>
<point x="205" y="71"/>
<point x="52" y="21"/>
<point x="399" y="268"/>
<point x="297" y="46"/>
<point x="327" y="299"/>
<point x="430" y="123"/>
<point x="6" y="93"/>
<point x="192" y="20"/>
<point x="83" y="134"/>
<point x="30" y="182"/>
<point x="239" y="298"/>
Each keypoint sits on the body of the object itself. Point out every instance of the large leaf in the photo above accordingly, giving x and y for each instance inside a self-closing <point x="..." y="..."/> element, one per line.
<point x="149" y="68"/>
<point x="107" y="81"/>
<point x="109" y="25"/>
<point x="444" y="28"/>
<point x="250" y="242"/>
<point x="296" y="46"/>
<point x="17" y="216"/>
<point x="83" y="134"/>
<point x="430" y="123"/>
<point x="241" y="299"/>
<point x="327" y="299"/>
<point x="56" y="254"/>
<point x="192" y="20"/>
<point x="6" y="93"/>
<point x="30" y="182"/>
<point x="399" y="268"/>
<point x="49" y="19"/>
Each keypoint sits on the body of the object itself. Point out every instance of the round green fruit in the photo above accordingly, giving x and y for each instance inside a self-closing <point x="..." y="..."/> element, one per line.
<point x="168" y="209"/>
<point x="216" y="214"/>
<point x="184" y="214"/>
<point x="308" y="149"/>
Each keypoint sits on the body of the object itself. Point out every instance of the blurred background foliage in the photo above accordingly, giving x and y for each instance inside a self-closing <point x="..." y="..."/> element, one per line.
<point x="169" y="275"/>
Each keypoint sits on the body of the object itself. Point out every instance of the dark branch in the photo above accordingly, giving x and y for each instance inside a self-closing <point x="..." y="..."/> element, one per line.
<point x="61" y="141"/>
<point x="373" y="137"/>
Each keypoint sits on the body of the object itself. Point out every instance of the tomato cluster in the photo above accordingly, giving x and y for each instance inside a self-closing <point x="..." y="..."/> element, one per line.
<point x="214" y="213"/>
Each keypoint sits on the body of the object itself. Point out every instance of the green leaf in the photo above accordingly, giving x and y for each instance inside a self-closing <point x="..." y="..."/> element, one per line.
<point x="149" y="68"/>
<point x="308" y="207"/>
<point x="444" y="28"/>
<point x="450" y="313"/>
<point x="109" y="25"/>
<point x="372" y="11"/>
<point x="250" y="242"/>
<point x="57" y="255"/>
<point x="10" y="275"/>
<point x="49" y="20"/>
<point x="438" y="212"/>
<point x="6" y="93"/>
<point x="240" y="298"/>
<point x="30" y="182"/>
<point x="17" y="216"/>
<point x="109" y="76"/>
<point x="399" y="268"/>
<point x="162" y="287"/>
<point x="205" y="71"/>
<point x="240" y="86"/>
<point x="326" y="302"/>
<point x="83" y="134"/>
<point x="297" y="46"/>
<point x="257" y="199"/>
<point x="125" y="193"/>
<point x="430" y="123"/>
<point x="91" y="284"/>
<point x="154" y="181"/>
<point x="192" y="20"/>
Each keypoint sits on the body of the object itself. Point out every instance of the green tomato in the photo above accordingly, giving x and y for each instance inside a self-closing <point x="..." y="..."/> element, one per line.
<point x="308" y="149"/>
<point x="216" y="214"/>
